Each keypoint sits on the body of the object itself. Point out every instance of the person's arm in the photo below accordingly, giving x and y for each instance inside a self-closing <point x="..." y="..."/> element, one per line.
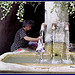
<point x="32" y="39"/>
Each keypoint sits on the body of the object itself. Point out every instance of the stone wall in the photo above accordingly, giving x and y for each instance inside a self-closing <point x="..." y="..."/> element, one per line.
<point x="59" y="49"/>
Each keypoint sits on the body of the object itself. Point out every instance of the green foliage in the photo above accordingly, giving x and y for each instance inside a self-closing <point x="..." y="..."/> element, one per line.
<point x="6" y="6"/>
<point x="20" y="12"/>
<point x="65" y="5"/>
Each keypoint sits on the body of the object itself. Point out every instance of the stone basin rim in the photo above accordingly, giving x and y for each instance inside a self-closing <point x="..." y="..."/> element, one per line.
<point x="29" y="64"/>
<point x="44" y="68"/>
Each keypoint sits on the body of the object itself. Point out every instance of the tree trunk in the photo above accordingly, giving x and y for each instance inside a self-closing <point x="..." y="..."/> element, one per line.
<point x="8" y="28"/>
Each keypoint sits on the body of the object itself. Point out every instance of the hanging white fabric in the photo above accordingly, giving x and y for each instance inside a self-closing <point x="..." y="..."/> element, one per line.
<point x="40" y="47"/>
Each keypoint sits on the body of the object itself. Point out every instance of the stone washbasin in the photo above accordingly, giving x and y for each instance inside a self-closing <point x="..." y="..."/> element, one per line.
<point x="25" y="61"/>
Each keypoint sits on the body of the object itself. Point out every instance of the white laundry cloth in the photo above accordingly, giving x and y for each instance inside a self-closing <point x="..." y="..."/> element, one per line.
<point x="40" y="49"/>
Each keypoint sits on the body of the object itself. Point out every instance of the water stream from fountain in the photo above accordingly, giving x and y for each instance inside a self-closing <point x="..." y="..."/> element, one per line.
<point x="54" y="59"/>
<point x="68" y="59"/>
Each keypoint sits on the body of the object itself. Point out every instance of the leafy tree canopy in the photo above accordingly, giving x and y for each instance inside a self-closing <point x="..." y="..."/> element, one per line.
<point x="65" y="5"/>
<point x="6" y="6"/>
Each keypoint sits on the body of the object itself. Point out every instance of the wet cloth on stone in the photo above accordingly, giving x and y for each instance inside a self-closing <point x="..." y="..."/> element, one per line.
<point x="19" y="41"/>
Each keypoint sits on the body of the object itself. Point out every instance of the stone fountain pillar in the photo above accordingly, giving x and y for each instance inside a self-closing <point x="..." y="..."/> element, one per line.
<point x="59" y="17"/>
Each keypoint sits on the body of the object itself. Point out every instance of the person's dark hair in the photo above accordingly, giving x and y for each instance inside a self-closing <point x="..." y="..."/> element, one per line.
<point x="28" y="22"/>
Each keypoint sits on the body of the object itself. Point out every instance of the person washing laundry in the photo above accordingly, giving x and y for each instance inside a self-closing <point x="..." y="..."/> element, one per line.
<point x="21" y="39"/>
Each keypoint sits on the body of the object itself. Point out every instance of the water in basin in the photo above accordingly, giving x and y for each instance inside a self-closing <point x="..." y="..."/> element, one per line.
<point x="33" y="59"/>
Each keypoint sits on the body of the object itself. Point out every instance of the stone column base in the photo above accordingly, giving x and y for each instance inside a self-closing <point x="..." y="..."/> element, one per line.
<point x="59" y="49"/>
